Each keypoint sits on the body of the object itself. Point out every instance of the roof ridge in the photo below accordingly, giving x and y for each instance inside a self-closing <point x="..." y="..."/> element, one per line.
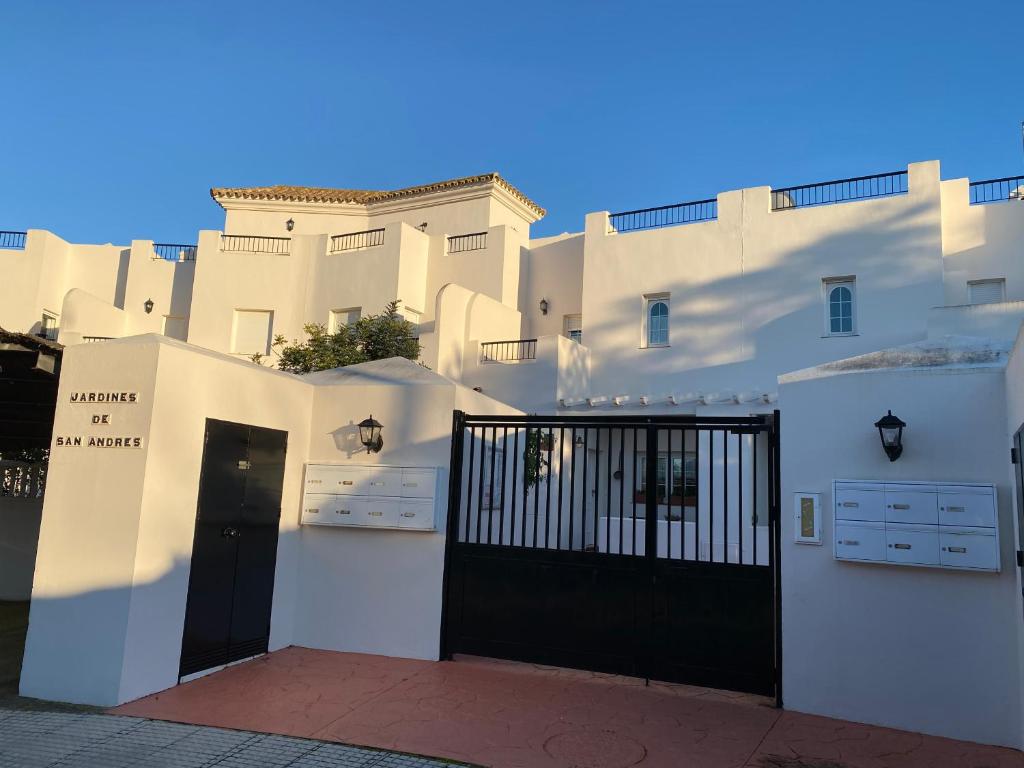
<point x="303" y="194"/>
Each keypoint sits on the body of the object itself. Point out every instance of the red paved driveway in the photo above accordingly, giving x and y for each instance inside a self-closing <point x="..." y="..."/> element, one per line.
<point x="520" y="716"/>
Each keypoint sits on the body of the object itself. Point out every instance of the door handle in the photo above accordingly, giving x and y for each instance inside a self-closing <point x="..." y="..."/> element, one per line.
<point x="229" y="532"/>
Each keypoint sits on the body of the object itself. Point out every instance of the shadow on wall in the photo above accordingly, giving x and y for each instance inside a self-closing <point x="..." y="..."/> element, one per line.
<point x="109" y="645"/>
<point x="770" y="320"/>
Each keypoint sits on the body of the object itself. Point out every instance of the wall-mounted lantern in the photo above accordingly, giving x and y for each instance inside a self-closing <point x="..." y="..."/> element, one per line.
<point x="369" y="434"/>
<point x="890" y="430"/>
<point x="544" y="306"/>
<point x="148" y="306"/>
<point x="290" y="224"/>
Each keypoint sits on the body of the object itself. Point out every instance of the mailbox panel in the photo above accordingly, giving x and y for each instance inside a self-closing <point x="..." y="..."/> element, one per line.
<point x="349" y="480"/>
<point x="860" y="541"/>
<point x="966" y="509"/>
<point x="376" y="512"/>
<point x="903" y="505"/>
<point x="916" y="544"/>
<point x="416" y="513"/>
<point x="316" y="508"/>
<point x="384" y="481"/>
<point x="418" y="483"/>
<point x="974" y="548"/>
<point x="860" y="503"/>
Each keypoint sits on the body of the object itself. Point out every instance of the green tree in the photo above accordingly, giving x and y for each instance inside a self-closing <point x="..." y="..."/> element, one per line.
<point x="373" y="337"/>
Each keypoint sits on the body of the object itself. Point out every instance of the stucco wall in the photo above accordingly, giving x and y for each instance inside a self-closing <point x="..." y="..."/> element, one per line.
<point x="116" y="539"/>
<point x="746" y="290"/>
<point x="915" y="648"/>
<point x="379" y="591"/>
<point x="980" y="242"/>
<point x="552" y="270"/>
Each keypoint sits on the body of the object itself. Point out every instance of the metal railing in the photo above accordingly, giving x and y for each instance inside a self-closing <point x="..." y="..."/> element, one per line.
<point x="14" y="240"/>
<point x="508" y="351"/>
<point x="91" y="339"/>
<point x="472" y="242"/>
<point x="355" y="240"/>
<point x="840" y="191"/>
<point x="255" y="244"/>
<point x="664" y="216"/>
<point x="21" y="480"/>
<point x="175" y="251"/>
<point x="994" y="190"/>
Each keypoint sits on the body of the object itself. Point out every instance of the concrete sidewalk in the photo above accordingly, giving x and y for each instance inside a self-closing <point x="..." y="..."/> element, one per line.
<point x="521" y="716"/>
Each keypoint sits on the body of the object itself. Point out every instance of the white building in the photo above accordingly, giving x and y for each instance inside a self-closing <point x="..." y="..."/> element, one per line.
<point x="831" y="302"/>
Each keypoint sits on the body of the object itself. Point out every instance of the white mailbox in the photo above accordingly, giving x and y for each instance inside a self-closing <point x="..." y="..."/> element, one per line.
<point x="367" y="496"/>
<point x="938" y="525"/>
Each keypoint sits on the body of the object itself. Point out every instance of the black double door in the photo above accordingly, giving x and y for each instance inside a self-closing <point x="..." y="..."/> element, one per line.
<point x="234" y="553"/>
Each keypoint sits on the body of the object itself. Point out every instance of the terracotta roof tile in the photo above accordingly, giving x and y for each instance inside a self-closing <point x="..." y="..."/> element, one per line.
<point x="295" y="194"/>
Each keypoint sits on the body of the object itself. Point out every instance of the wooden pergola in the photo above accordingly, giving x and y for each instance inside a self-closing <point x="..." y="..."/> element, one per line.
<point x="29" y="374"/>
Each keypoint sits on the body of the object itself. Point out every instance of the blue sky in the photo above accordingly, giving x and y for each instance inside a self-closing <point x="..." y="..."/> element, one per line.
<point x="119" y="117"/>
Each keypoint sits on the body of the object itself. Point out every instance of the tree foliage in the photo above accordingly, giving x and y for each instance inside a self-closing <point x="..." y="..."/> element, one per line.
<point x="373" y="337"/>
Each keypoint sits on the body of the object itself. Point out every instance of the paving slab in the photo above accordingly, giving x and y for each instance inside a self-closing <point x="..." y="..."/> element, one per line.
<point x="38" y="735"/>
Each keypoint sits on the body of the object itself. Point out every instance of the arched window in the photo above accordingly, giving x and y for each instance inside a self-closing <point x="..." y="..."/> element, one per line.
<point x="657" y="323"/>
<point x="840" y="309"/>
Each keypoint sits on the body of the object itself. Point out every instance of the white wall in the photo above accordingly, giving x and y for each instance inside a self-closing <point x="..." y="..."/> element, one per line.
<point x="115" y="547"/>
<point x="379" y="591"/>
<point x="746" y="290"/>
<point x="116" y="538"/>
<point x="553" y="270"/>
<point x="980" y="242"/>
<point x="913" y="648"/>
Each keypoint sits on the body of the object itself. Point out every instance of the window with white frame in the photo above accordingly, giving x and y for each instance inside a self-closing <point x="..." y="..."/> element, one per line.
<point x="340" y="317"/>
<point x="250" y="334"/>
<point x="840" y="306"/>
<point x="573" y="327"/>
<point x="986" y="291"/>
<point x="656" y="320"/>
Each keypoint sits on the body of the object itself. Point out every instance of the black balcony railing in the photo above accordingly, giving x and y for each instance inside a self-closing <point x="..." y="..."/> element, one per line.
<point x="93" y="339"/>
<point x="473" y="242"/>
<point x="175" y="251"/>
<point x="664" y="216"/>
<point x="254" y="244"/>
<point x="15" y="240"/>
<point x="356" y="240"/>
<point x="508" y="351"/>
<point x="840" y="191"/>
<point x="994" y="190"/>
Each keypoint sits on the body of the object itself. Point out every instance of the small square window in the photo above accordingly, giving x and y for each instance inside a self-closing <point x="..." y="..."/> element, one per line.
<point x="572" y="326"/>
<point x="340" y="317"/>
<point x="252" y="331"/>
<point x="48" y="326"/>
<point x="655" y="322"/>
<point x="840" y="306"/>
<point x="986" y="291"/>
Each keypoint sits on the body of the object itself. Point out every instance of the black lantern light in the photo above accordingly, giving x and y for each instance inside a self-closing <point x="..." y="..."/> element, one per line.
<point x="543" y="306"/>
<point x="290" y="224"/>
<point x="148" y="306"/>
<point x="890" y="429"/>
<point x="369" y="434"/>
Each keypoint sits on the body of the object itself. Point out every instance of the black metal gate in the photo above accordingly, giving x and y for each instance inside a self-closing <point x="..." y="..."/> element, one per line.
<point x="644" y="546"/>
<point x="234" y="552"/>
